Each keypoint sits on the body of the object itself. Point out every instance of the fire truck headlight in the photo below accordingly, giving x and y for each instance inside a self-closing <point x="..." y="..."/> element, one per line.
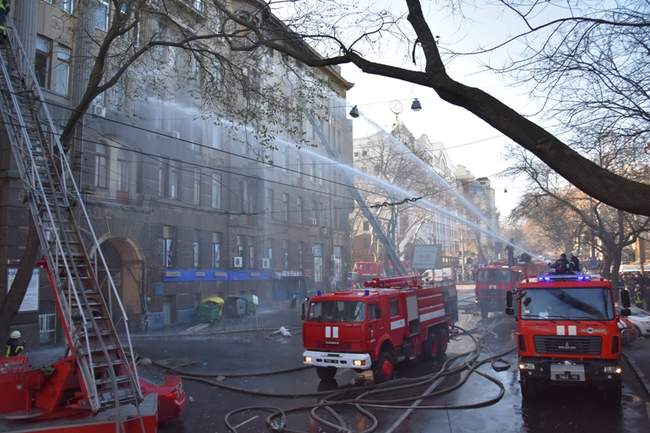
<point x="526" y="366"/>
<point x="306" y="359"/>
<point x="359" y="362"/>
<point x="613" y="369"/>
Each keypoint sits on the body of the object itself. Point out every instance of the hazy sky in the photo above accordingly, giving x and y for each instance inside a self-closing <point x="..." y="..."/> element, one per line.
<point x="439" y="120"/>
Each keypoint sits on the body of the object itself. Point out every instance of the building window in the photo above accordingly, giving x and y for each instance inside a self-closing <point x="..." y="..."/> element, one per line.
<point x="315" y="213"/>
<point x="62" y="70"/>
<point x="215" y="200"/>
<point x="338" y="268"/>
<point x="301" y="254"/>
<point x="101" y="167"/>
<point x="215" y="260"/>
<point x="172" y="186"/>
<point x="246" y="204"/>
<point x="299" y="210"/>
<point x="168" y="246"/>
<point x="197" y="5"/>
<point x="317" y="252"/>
<point x="366" y="226"/>
<point x="163" y="170"/>
<point x="123" y="168"/>
<point x="240" y="248"/>
<point x="251" y="253"/>
<point x="285" y="207"/>
<point x="195" y="253"/>
<point x="196" y="189"/>
<point x="101" y="15"/>
<point x="43" y="61"/>
<point x="285" y="254"/>
<point x="269" y="252"/>
<point x="67" y="6"/>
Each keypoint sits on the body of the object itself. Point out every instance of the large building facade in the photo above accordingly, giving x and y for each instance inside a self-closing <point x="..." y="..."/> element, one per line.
<point x="186" y="201"/>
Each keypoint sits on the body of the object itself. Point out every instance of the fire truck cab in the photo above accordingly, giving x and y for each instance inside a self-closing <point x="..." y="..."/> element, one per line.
<point x="567" y="333"/>
<point x="391" y="320"/>
<point x="492" y="283"/>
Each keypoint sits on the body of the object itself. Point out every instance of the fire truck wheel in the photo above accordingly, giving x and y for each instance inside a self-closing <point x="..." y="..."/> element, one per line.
<point x="385" y="367"/>
<point x="326" y="373"/>
<point x="612" y="394"/>
<point x="443" y="342"/>
<point x="529" y="389"/>
<point x="430" y="347"/>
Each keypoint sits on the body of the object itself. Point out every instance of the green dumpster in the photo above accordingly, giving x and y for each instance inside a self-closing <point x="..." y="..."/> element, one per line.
<point x="210" y="310"/>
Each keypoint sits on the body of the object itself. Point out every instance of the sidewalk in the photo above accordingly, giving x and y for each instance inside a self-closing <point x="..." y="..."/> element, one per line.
<point x="266" y="318"/>
<point x="638" y="356"/>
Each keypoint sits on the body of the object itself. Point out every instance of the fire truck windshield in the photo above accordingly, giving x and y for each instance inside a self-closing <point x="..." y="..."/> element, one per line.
<point x="497" y="276"/>
<point x="569" y="304"/>
<point x="337" y="311"/>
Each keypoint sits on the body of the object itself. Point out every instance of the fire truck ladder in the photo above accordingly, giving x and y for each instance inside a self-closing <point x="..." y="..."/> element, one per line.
<point x="107" y="372"/>
<point x="356" y="195"/>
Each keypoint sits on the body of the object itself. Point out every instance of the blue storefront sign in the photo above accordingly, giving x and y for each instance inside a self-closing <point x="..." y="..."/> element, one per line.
<point x="193" y="275"/>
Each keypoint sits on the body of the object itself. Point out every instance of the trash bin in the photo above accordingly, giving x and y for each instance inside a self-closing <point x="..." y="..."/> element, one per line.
<point x="210" y="310"/>
<point x="235" y="306"/>
<point x="251" y="303"/>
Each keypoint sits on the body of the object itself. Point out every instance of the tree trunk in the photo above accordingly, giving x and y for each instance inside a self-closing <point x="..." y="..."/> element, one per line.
<point x="11" y="303"/>
<point x="607" y="263"/>
<point x="616" y="265"/>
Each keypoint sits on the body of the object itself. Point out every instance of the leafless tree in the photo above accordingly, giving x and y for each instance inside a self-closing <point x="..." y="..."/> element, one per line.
<point x="341" y="36"/>
<point x="384" y="156"/>
<point x="569" y="216"/>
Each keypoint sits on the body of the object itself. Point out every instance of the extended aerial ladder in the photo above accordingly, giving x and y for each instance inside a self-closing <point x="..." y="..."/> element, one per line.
<point x="389" y="247"/>
<point x="106" y="367"/>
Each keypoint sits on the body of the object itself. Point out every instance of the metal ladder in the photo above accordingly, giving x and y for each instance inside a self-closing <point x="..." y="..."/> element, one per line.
<point x="107" y="368"/>
<point x="389" y="247"/>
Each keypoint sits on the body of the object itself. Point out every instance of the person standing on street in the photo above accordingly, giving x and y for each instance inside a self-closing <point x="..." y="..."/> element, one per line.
<point x="4" y="11"/>
<point x="14" y="345"/>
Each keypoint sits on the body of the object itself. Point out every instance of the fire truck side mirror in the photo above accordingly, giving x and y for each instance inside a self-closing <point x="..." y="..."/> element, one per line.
<point x="625" y="299"/>
<point x="509" y="310"/>
<point x="303" y="310"/>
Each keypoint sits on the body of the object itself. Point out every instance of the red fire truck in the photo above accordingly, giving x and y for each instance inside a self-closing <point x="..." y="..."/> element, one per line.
<point x="493" y="281"/>
<point x="567" y="333"/>
<point x="391" y="320"/>
<point x="51" y="399"/>
<point x="363" y="271"/>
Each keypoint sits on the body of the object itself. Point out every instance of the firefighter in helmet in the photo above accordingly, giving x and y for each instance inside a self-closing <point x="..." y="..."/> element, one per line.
<point x="15" y="345"/>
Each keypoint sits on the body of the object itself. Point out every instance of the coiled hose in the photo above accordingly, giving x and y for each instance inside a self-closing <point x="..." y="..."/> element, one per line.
<point x="277" y="419"/>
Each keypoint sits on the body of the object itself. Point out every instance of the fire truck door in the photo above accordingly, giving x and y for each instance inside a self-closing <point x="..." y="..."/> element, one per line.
<point x="397" y="321"/>
<point x="375" y="322"/>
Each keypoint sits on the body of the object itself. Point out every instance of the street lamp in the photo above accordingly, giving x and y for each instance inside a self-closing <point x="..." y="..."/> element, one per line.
<point x="354" y="113"/>
<point x="415" y="105"/>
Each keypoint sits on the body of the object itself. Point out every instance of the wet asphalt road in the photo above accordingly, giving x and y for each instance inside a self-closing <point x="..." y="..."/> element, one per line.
<point x="558" y="411"/>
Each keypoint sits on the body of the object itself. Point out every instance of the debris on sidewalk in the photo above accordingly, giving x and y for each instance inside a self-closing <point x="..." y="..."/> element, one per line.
<point x="282" y="331"/>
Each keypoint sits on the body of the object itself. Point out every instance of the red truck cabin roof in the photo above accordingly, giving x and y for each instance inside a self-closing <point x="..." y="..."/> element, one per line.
<point x="564" y="281"/>
<point x="356" y="295"/>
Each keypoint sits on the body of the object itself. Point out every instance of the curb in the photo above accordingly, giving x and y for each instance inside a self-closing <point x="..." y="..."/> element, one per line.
<point x="637" y="370"/>
<point x="214" y="333"/>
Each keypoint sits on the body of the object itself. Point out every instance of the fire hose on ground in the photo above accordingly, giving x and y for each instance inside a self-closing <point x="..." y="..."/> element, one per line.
<point x="277" y="418"/>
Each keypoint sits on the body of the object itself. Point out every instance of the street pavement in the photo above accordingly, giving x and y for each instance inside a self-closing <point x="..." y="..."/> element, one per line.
<point x="638" y="356"/>
<point x="234" y="346"/>
<point x="559" y="411"/>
